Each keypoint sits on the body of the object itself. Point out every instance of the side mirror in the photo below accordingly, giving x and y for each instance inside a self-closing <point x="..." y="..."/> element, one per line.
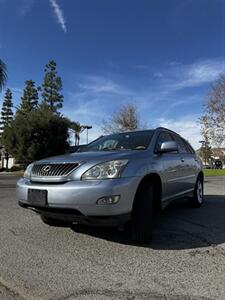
<point x="167" y="147"/>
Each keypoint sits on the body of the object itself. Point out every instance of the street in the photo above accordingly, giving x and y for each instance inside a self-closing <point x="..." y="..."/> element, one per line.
<point x="186" y="259"/>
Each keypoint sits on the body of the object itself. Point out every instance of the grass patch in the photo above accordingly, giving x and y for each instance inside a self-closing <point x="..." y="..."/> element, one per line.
<point x="214" y="172"/>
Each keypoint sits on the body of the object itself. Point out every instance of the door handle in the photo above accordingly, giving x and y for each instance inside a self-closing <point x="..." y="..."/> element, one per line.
<point x="182" y="159"/>
<point x="172" y="171"/>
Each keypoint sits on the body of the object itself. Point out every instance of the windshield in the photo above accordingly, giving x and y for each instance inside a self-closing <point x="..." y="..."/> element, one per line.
<point x="122" y="141"/>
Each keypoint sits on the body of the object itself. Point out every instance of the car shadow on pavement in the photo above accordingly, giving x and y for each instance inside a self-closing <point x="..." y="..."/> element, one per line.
<point x="178" y="227"/>
<point x="183" y="227"/>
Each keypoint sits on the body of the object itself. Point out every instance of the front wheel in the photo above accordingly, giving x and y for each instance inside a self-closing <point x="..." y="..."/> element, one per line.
<point x="142" y="214"/>
<point x="198" y="195"/>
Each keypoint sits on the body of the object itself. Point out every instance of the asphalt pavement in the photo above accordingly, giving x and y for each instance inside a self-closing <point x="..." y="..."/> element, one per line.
<point x="186" y="259"/>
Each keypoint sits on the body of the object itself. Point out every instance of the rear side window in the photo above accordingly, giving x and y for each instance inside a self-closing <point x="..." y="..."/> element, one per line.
<point x="191" y="150"/>
<point x="163" y="137"/>
<point x="183" y="146"/>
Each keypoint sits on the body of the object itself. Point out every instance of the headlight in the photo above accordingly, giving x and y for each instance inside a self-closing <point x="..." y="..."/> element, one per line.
<point x="107" y="170"/>
<point x="27" y="173"/>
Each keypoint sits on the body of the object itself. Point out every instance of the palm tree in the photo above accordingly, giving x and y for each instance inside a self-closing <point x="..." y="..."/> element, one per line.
<point x="3" y="74"/>
<point x="78" y="129"/>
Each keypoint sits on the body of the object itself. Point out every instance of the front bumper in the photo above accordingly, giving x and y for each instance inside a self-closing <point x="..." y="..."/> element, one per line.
<point x="82" y="196"/>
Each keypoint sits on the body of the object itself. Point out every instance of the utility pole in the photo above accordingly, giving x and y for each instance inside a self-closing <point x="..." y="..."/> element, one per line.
<point x="87" y="127"/>
<point x="78" y="132"/>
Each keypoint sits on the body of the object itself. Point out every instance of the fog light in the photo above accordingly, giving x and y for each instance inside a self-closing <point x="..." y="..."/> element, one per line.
<point x="108" y="200"/>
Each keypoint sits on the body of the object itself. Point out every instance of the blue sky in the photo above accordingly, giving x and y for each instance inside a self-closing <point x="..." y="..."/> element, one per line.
<point x="162" y="55"/>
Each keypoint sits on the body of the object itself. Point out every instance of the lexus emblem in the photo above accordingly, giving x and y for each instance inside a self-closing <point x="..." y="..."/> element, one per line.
<point x="46" y="169"/>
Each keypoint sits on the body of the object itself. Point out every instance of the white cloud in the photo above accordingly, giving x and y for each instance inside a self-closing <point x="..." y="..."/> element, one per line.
<point x="86" y="112"/>
<point x="25" y="7"/>
<point x="98" y="84"/>
<point x="95" y="99"/>
<point x="98" y="97"/>
<point x="180" y="76"/>
<point x="188" y="127"/>
<point x="59" y="14"/>
<point x="142" y="67"/>
<point x="182" y="103"/>
<point x="16" y="90"/>
<point x="158" y="75"/>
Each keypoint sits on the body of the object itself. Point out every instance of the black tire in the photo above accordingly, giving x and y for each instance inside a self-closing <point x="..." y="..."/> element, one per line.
<point x="54" y="222"/>
<point x="142" y="214"/>
<point x="198" y="196"/>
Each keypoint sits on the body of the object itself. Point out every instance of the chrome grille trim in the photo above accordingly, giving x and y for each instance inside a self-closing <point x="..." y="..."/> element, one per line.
<point x="55" y="170"/>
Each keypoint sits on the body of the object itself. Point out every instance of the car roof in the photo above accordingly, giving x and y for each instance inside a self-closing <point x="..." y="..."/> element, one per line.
<point x="146" y="130"/>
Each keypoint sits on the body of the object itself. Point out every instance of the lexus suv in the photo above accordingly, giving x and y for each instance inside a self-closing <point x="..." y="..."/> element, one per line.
<point x="117" y="179"/>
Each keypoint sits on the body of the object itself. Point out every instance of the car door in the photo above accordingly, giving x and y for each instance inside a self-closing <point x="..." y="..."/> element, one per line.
<point x="188" y="167"/>
<point x="170" y="168"/>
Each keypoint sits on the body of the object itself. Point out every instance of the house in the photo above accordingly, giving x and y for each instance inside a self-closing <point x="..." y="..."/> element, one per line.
<point x="3" y="161"/>
<point x="215" y="155"/>
<point x="218" y="153"/>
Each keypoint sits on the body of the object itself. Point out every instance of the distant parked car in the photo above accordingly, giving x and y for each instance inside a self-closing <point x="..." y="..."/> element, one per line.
<point x="117" y="178"/>
<point x="218" y="164"/>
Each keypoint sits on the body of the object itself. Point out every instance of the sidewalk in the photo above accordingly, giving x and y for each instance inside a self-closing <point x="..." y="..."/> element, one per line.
<point x="16" y="173"/>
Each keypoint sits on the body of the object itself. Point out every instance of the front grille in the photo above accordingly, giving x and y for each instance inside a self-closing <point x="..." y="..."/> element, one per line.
<point x="53" y="170"/>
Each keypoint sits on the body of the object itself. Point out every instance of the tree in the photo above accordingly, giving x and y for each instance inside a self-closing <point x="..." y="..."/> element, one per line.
<point x="39" y="134"/>
<point x="125" y="119"/>
<point x="78" y="129"/>
<point x="6" y="119"/>
<point x="3" y="74"/>
<point x="52" y="87"/>
<point x="7" y="113"/>
<point x="29" y="100"/>
<point x="205" y="152"/>
<point x="213" y="120"/>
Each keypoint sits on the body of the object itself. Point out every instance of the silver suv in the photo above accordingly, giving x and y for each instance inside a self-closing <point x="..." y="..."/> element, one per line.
<point x="115" y="179"/>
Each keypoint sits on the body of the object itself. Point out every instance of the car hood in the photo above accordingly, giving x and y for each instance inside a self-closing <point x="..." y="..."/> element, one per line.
<point x="82" y="157"/>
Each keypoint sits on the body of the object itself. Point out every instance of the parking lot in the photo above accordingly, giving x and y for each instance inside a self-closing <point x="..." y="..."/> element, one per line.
<point x="185" y="261"/>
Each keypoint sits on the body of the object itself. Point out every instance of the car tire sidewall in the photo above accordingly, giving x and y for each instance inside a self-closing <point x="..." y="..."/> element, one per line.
<point x="198" y="196"/>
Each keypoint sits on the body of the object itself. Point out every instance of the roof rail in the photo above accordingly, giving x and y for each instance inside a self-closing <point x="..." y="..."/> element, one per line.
<point x="166" y="129"/>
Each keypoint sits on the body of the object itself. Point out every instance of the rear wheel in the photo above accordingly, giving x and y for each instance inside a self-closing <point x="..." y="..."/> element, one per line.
<point x="198" y="195"/>
<point x="142" y="214"/>
<point x="54" y="222"/>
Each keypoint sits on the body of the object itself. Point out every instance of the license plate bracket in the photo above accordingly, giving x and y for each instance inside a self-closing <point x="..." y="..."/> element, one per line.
<point x="37" y="197"/>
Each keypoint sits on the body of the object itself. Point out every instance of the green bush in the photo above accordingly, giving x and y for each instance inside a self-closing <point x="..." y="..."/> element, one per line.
<point x="16" y="168"/>
<point x="36" y="135"/>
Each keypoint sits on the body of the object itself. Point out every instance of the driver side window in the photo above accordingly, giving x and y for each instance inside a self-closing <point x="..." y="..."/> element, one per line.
<point x="163" y="137"/>
<point x="109" y="145"/>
